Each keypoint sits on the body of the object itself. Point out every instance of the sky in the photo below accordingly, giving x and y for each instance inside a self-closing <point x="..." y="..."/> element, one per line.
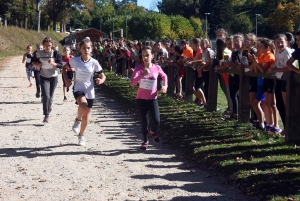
<point x="146" y="3"/>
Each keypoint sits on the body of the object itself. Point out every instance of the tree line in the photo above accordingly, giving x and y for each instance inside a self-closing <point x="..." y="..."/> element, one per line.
<point x="175" y="19"/>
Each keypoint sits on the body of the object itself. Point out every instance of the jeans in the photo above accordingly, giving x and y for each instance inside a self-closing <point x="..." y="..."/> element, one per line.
<point x="37" y="80"/>
<point x="48" y="86"/>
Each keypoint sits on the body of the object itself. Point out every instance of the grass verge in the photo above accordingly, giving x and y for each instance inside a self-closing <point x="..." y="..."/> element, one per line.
<point x="262" y="165"/>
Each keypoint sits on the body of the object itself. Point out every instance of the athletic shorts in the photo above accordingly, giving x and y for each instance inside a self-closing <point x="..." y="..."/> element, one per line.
<point x="90" y="102"/>
<point x="253" y="84"/>
<point x="181" y="72"/>
<point x="69" y="76"/>
<point x="260" y="95"/>
<point x="269" y="86"/>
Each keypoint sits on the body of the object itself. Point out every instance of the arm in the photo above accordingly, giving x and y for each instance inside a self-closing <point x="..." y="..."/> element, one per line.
<point x="64" y="72"/>
<point x="137" y="75"/>
<point x="102" y="78"/>
<point x="291" y="67"/>
<point x="165" y="80"/>
<point x="58" y="61"/>
<point x="24" y="58"/>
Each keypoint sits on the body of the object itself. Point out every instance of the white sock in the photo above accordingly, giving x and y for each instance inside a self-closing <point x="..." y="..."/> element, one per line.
<point x="262" y="125"/>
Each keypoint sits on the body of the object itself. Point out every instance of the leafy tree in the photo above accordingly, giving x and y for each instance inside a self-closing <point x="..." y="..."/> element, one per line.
<point x="198" y="26"/>
<point x="241" y="24"/>
<point x="186" y="8"/>
<point x="221" y="14"/>
<point x="182" y="27"/>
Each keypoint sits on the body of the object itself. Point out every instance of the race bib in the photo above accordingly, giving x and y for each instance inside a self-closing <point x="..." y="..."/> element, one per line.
<point x="83" y="76"/>
<point x="47" y="66"/>
<point x="147" y="84"/>
<point x="28" y="60"/>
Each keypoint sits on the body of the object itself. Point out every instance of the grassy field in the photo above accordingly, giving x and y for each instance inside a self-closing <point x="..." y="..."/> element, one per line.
<point x="14" y="40"/>
<point x="260" y="164"/>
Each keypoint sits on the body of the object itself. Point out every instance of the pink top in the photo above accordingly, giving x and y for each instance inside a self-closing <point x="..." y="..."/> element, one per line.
<point x="137" y="75"/>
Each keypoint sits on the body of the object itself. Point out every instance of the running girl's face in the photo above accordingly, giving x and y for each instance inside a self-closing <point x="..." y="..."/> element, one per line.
<point x="229" y="44"/>
<point x="147" y="56"/>
<point x="262" y="48"/>
<point x="280" y="43"/>
<point x="67" y="51"/>
<point x="203" y="45"/>
<point x="47" y="46"/>
<point x="29" y="49"/>
<point x="86" y="49"/>
<point x="238" y="44"/>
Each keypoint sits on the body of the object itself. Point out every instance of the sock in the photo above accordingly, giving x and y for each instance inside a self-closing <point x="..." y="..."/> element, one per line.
<point x="262" y="125"/>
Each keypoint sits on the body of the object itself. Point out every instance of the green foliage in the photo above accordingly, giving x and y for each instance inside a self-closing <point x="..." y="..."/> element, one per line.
<point x="241" y="24"/>
<point x="182" y="27"/>
<point x="198" y="26"/>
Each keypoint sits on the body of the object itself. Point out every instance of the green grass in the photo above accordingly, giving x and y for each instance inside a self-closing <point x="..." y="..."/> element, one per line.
<point x="14" y="40"/>
<point x="260" y="164"/>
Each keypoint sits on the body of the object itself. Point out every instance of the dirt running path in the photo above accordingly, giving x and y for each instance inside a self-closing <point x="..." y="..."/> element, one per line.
<point x="43" y="162"/>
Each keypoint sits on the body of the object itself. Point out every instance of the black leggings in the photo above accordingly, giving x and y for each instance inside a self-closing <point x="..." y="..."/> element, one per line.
<point x="146" y="106"/>
<point x="48" y="86"/>
<point x="205" y="75"/>
<point x="234" y="85"/>
<point x="37" y="77"/>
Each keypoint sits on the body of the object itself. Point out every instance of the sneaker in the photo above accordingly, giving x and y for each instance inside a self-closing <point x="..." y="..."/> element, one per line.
<point x="154" y="136"/>
<point x="144" y="145"/>
<point x="259" y="127"/>
<point x="30" y="85"/>
<point x="277" y="130"/>
<point x="76" y="126"/>
<point x="46" y="119"/>
<point x="81" y="141"/>
<point x="269" y="129"/>
<point x="65" y="98"/>
<point x="37" y="95"/>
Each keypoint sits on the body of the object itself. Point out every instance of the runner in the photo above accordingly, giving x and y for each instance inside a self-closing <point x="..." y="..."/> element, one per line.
<point x="65" y="59"/>
<point x="27" y="57"/>
<point x="48" y="60"/>
<point x="146" y="75"/>
<point x="36" y="71"/>
<point x="85" y="67"/>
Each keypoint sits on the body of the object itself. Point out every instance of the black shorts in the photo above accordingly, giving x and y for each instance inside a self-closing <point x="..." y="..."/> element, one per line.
<point x="253" y="84"/>
<point x="70" y="75"/>
<point x="90" y="102"/>
<point x="269" y="86"/>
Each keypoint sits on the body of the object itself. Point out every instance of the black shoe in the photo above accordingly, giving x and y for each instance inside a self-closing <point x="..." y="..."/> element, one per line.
<point x="154" y="136"/>
<point x="68" y="89"/>
<point x="259" y="127"/>
<point x="37" y="95"/>
<point x="65" y="98"/>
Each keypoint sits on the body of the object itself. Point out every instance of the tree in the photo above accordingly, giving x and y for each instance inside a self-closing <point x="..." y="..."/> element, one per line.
<point x="186" y="8"/>
<point x="241" y="24"/>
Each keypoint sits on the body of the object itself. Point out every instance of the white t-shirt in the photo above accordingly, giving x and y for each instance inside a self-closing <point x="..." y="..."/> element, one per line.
<point x="84" y="74"/>
<point x="283" y="57"/>
<point x="205" y="56"/>
<point x="165" y="52"/>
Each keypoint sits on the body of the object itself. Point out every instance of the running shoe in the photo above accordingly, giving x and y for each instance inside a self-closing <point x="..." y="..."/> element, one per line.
<point x="154" y="136"/>
<point x="37" y="95"/>
<point x="259" y="127"/>
<point x="277" y="130"/>
<point x="144" y="145"/>
<point x="30" y="85"/>
<point x="65" y="98"/>
<point x="269" y="129"/>
<point x="46" y="119"/>
<point x="81" y="141"/>
<point x="76" y="126"/>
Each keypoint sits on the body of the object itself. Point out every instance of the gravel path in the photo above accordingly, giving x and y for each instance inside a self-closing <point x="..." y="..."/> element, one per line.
<point x="43" y="162"/>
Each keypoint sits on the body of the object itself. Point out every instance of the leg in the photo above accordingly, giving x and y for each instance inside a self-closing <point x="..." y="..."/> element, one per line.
<point x="37" y="82"/>
<point x="143" y="110"/>
<point x="154" y="111"/>
<point x="28" y="73"/>
<point x="45" y="86"/>
<point x="53" y="84"/>
<point x="179" y="81"/>
<point x="274" y="110"/>
<point x="84" y="113"/>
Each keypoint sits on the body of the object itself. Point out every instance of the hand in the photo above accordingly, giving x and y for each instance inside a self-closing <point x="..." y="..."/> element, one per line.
<point x="164" y="89"/>
<point x="189" y="63"/>
<point x="51" y="61"/>
<point x="99" y="81"/>
<point x="146" y="71"/>
<point x="68" y="82"/>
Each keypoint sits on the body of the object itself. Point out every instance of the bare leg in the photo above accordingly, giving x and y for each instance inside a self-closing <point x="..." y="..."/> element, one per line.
<point x="84" y="113"/>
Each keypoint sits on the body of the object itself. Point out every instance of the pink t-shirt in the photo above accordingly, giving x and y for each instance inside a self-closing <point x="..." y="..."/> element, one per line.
<point x="137" y="76"/>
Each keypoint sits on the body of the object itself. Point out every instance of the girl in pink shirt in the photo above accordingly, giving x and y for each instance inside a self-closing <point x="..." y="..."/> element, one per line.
<point x="146" y="75"/>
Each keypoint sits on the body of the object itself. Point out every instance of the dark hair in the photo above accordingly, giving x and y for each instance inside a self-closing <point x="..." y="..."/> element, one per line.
<point x="84" y="41"/>
<point x="147" y="48"/>
<point x="48" y="40"/>
<point x="290" y="38"/>
<point x="220" y="45"/>
<point x="29" y="46"/>
<point x="184" y="41"/>
<point x="223" y="31"/>
<point x="178" y="49"/>
<point x="281" y="36"/>
<point x="196" y="41"/>
<point x="298" y="33"/>
<point x="268" y="43"/>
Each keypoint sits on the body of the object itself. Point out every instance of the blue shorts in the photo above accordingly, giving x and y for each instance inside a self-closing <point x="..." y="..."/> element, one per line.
<point x="260" y="95"/>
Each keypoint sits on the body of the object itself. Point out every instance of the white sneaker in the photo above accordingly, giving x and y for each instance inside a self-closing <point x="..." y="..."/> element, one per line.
<point x="76" y="126"/>
<point x="81" y="141"/>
